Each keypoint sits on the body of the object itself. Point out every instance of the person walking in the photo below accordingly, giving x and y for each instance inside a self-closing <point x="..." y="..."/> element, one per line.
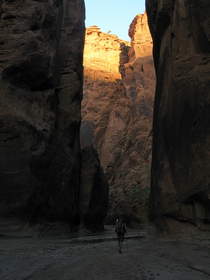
<point x="120" y="229"/>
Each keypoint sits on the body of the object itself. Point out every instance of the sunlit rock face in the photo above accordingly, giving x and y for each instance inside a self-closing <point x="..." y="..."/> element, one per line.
<point x="141" y="41"/>
<point x="117" y="113"/>
<point x="41" y="46"/>
<point x="181" y="150"/>
<point x="102" y="52"/>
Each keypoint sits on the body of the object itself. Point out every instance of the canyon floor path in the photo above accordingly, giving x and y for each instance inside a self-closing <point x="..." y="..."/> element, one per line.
<point x="95" y="257"/>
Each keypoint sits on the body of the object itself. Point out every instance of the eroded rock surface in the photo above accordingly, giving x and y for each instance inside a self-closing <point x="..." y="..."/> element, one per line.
<point x="117" y="113"/>
<point x="41" y="45"/>
<point x="181" y="150"/>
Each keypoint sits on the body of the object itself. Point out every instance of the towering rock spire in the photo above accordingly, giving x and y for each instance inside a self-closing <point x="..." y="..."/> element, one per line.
<point x="141" y="40"/>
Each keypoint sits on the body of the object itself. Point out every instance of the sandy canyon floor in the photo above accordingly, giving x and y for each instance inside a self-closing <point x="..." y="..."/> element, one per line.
<point x="96" y="258"/>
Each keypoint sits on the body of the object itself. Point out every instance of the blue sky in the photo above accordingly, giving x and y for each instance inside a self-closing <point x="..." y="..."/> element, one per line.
<point x="113" y="15"/>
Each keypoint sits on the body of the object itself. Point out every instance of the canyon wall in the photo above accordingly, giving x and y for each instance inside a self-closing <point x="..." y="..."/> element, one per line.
<point x="181" y="142"/>
<point x="41" y="48"/>
<point x="94" y="190"/>
<point x="117" y="113"/>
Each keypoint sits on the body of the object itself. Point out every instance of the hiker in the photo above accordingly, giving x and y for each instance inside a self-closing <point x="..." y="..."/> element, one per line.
<point x="120" y="229"/>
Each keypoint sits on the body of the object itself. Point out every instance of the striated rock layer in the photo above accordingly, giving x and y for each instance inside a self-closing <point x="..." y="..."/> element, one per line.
<point x="181" y="145"/>
<point x="41" y="47"/>
<point x="117" y="113"/>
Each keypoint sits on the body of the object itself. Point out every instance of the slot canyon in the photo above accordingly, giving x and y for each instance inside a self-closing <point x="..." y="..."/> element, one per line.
<point x="119" y="83"/>
<point x="93" y="128"/>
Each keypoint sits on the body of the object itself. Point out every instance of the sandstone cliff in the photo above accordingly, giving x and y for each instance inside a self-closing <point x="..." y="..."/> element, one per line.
<point x="41" y="47"/>
<point x="117" y="112"/>
<point x="181" y="150"/>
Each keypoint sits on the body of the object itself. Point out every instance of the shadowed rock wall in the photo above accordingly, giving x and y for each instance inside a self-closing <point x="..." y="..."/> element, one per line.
<point x="41" y="47"/>
<point x="181" y="145"/>
<point x="94" y="190"/>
